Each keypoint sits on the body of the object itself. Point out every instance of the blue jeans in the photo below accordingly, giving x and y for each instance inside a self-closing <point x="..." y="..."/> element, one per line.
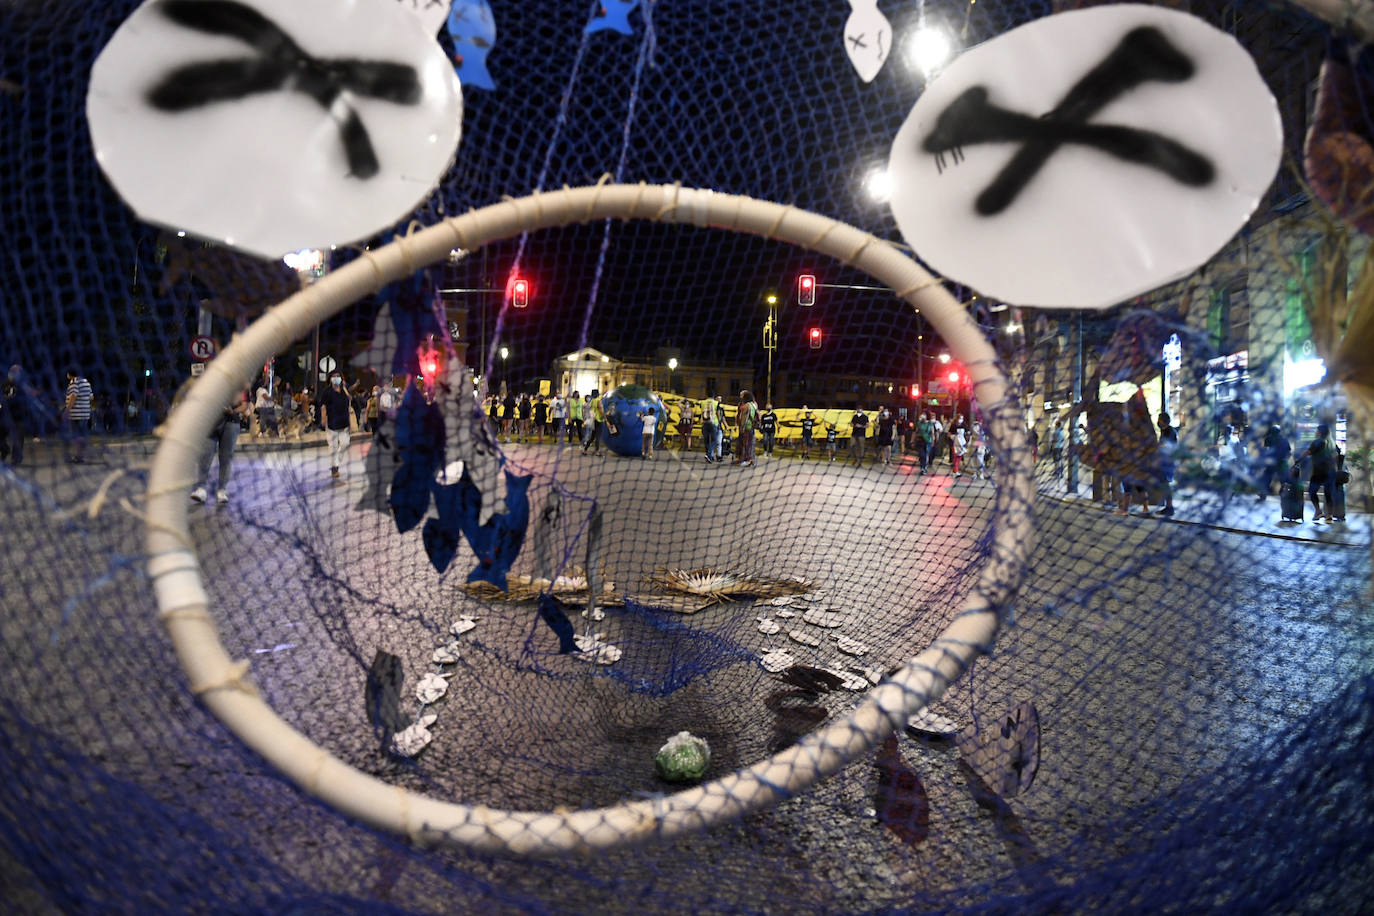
<point x="223" y="446"/>
<point x="712" y="441"/>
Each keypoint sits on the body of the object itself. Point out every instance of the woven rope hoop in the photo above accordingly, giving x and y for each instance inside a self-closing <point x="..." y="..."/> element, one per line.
<point x="223" y="685"/>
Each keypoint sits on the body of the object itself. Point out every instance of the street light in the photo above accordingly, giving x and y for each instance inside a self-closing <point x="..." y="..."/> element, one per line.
<point x="770" y="341"/>
<point x="672" y="367"/>
<point x="944" y="357"/>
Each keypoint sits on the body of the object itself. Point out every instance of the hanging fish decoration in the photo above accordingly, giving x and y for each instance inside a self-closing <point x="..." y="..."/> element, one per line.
<point x="867" y="38"/>
<point x="467" y="438"/>
<point x="614" y="15"/>
<point x="473" y="30"/>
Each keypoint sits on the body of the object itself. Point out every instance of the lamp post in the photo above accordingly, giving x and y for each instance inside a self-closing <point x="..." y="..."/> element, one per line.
<point x="504" y="352"/>
<point x="770" y="342"/>
<point x="672" y="367"/>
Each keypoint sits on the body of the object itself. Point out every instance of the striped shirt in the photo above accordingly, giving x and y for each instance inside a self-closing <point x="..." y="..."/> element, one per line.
<point x="79" y="399"/>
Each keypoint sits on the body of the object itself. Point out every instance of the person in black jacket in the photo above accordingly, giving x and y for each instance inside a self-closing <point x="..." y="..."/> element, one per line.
<point x="1322" y="455"/>
<point x="1274" y="454"/>
<point x="13" y="424"/>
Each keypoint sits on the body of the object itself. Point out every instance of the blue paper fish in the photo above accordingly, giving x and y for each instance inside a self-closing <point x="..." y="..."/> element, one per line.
<point x="419" y="441"/>
<point x="496" y="543"/>
<point x="615" y="15"/>
<point x="473" y="29"/>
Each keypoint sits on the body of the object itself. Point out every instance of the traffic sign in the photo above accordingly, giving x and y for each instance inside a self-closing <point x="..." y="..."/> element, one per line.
<point x="327" y="364"/>
<point x="197" y="369"/>
<point x="203" y="348"/>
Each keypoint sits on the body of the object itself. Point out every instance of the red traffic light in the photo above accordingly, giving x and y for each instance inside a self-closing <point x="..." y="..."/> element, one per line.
<point x="520" y="292"/>
<point x="954" y="376"/>
<point x="431" y="368"/>
<point x="815" y="335"/>
<point x="915" y="391"/>
<point x="806" y="290"/>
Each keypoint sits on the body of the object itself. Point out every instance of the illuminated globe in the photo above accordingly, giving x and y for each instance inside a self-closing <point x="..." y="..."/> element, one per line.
<point x="623" y="405"/>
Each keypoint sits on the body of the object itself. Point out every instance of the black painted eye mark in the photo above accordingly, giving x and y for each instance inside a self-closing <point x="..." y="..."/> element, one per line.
<point x="1143" y="55"/>
<point x="280" y="64"/>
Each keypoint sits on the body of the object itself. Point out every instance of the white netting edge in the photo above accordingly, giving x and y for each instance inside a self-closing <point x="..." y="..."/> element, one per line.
<point x="222" y="684"/>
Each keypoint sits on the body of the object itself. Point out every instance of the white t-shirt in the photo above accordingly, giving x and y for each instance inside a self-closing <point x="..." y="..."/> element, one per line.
<point x="650" y="423"/>
<point x="559" y="409"/>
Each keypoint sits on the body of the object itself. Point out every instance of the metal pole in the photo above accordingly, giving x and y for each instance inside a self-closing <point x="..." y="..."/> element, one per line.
<point x="1077" y="400"/>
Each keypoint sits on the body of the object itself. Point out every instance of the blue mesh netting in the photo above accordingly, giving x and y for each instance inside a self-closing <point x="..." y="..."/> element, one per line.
<point x="1199" y="683"/>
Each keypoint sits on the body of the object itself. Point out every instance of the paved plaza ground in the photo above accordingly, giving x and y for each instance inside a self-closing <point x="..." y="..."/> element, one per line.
<point x="1158" y="653"/>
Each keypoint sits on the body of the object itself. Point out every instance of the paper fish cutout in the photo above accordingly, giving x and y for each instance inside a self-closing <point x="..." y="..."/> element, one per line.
<point x="1338" y="152"/>
<point x="473" y="30"/>
<point x="245" y="123"/>
<point x="467" y="438"/>
<point x="899" y="799"/>
<point x="546" y="540"/>
<point x="867" y="38"/>
<point x="614" y="15"/>
<point x="496" y="543"/>
<point x="556" y="616"/>
<point x="431" y="13"/>
<point x="1004" y="753"/>
<point x="380" y="465"/>
<point x="1086" y="157"/>
<point x="419" y="442"/>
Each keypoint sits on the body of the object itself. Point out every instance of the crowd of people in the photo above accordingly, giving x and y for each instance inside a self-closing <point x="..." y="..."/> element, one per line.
<point x="1135" y="464"/>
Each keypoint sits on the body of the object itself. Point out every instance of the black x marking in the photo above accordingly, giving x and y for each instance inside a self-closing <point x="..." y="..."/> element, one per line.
<point x="280" y="64"/>
<point x="1143" y="55"/>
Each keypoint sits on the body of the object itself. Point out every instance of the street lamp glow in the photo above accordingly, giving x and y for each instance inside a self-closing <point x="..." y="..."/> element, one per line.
<point x="928" y="49"/>
<point x="944" y="357"/>
<point x="1013" y="327"/>
<point x="878" y="184"/>
<point x="504" y="352"/>
<point x="672" y="364"/>
<point x="772" y="299"/>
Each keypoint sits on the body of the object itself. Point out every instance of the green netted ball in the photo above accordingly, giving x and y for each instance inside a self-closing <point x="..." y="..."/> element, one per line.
<point x="683" y="758"/>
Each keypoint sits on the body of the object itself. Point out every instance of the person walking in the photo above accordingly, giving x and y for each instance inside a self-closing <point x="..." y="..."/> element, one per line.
<point x="746" y="418"/>
<point x="558" y="412"/>
<point x="1275" y="452"/>
<point x="958" y="446"/>
<point x="596" y="415"/>
<point x="887" y="425"/>
<point x="1168" y="447"/>
<point x="979" y="447"/>
<point x="76" y="414"/>
<point x="334" y="416"/>
<point x="832" y="436"/>
<point x="508" y="421"/>
<point x="1321" y="453"/>
<point x="223" y="441"/>
<point x="522" y="413"/>
<point x="684" y="424"/>
<point x="14" y="423"/>
<point x="1058" y="439"/>
<point x="808" y="428"/>
<point x="768" y="425"/>
<point x="710" y="427"/>
<point x="858" y="440"/>
<point x="541" y="418"/>
<point x="372" y="409"/>
<point x="574" y="418"/>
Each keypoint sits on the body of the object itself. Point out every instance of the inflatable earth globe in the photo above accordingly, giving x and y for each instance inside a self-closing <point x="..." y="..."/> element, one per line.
<point x="623" y="405"/>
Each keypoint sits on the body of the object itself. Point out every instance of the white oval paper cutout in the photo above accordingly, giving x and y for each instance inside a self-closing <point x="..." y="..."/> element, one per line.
<point x="274" y="126"/>
<point x="1085" y="158"/>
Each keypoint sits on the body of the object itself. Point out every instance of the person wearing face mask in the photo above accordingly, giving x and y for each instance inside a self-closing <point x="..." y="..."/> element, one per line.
<point x="334" y="417"/>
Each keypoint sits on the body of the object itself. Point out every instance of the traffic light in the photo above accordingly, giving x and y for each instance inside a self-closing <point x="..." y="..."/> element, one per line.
<point x="806" y="290"/>
<point x="519" y="292"/>
<point x="954" y="376"/>
<point x="916" y="391"/>
<point x="815" y="337"/>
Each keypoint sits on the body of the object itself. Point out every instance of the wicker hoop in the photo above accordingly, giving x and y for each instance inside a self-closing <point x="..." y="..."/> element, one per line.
<point x="184" y="607"/>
